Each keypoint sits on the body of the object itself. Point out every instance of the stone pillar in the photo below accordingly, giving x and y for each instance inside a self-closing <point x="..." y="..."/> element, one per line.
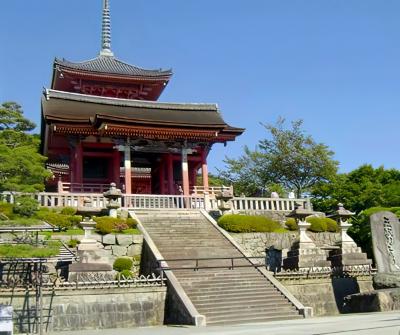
<point x="128" y="166"/>
<point x="185" y="172"/>
<point x="204" y="170"/>
<point x="170" y="174"/>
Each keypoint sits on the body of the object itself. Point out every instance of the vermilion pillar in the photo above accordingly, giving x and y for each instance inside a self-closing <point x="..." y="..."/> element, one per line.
<point x="116" y="167"/>
<point x="185" y="172"/>
<point x="128" y="171"/>
<point x="204" y="170"/>
<point x="79" y="163"/>
<point x="170" y="174"/>
<point x="161" y="175"/>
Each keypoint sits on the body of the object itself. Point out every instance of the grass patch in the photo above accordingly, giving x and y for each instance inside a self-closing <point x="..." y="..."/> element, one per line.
<point x="30" y="251"/>
<point x="21" y="222"/>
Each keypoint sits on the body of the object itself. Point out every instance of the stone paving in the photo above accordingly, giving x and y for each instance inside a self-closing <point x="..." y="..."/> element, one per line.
<point x="385" y="323"/>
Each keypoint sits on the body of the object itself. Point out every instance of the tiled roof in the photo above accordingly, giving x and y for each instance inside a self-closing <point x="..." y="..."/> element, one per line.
<point x="111" y="65"/>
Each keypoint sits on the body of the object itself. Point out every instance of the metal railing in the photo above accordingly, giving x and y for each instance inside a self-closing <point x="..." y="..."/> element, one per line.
<point x="196" y="264"/>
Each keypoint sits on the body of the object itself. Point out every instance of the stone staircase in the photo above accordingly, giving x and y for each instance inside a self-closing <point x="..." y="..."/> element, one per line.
<point x="239" y="295"/>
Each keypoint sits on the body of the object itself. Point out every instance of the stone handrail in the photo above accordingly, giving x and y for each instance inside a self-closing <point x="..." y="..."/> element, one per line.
<point x="267" y="204"/>
<point x="155" y="201"/>
<point x="82" y="188"/>
<point x="212" y="190"/>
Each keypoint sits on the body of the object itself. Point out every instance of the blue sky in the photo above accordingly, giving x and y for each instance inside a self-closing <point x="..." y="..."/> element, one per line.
<point x="333" y="63"/>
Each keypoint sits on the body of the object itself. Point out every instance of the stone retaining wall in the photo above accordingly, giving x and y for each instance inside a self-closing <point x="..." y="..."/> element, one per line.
<point x="117" y="244"/>
<point x="90" y="309"/>
<point x="255" y="244"/>
<point x="326" y="295"/>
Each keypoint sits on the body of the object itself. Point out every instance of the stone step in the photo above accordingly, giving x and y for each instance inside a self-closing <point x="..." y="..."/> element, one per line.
<point x="240" y="296"/>
<point x="250" y="319"/>
<point x="258" y="300"/>
<point x="230" y="284"/>
<point x="240" y="301"/>
<point x="220" y="279"/>
<point x="247" y="310"/>
<point x="261" y="288"/>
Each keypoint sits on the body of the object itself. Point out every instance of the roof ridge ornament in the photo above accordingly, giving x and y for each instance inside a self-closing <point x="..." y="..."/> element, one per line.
<point x="106" y="31"/>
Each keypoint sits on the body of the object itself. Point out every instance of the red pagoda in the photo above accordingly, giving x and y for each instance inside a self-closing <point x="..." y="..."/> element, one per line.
<point x="102" y="123"/>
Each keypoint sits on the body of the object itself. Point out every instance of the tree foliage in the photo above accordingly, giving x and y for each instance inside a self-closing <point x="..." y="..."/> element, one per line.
<point x="360" y="189"/>
<point x="289" y="157"/>
<point x="21" y="166"/>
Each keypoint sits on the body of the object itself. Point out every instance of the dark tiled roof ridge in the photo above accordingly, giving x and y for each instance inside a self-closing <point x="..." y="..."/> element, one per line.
<point x="111" y="65"/>
<point x="55" y="94"/>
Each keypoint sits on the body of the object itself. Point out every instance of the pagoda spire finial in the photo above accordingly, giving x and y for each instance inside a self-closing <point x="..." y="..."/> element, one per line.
<point x="106" y="30"/>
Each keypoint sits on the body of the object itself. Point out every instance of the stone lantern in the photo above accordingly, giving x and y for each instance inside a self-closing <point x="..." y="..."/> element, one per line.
<point x="113" y="195"/>
<point x="88" y="243"/>
<point x="299" y="214"/>
<point x="223" y="197"/>
<point x="349" y="254"/>
<point x="307" y="255"/>
<point x="341" y="216"/>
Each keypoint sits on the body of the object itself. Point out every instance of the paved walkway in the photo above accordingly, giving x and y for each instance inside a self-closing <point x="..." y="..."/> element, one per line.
<point x="385" y="323"/>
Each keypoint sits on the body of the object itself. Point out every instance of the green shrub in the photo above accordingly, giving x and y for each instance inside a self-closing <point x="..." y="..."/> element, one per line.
<point x="107" y="224"/>
<point x="68" y="211"/>
<point x="318" y="224"/>
<point x="25" y="206"/>
<point x="125" y="274"/>
<point x="291" y="224"/>
<point x="6" y="209"/>
<point x="123" y="263"/>
<point x="247" y="223"/>
<point x="132" y="223"/>
<point x="72" y="243"/>
<point x="120" y="227"/>
<point x="104" y="228"/>
<point x="75" y="220"/>
<point x="331" y="225"/>
<point x="60" y="220"/>
<point x="55" y="219"/>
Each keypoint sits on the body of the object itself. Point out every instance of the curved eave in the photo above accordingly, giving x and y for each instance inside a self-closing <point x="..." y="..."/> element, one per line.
<point x="108" y="76"/>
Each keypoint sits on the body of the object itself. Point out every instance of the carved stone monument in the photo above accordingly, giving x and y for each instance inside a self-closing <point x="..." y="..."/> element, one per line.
<point x="385" y="229"/>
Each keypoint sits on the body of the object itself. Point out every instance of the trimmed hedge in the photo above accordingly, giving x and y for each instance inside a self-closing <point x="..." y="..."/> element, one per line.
<point x="236" y="223"/>
<point x="291" y="224"/>
<point x="123" y="263"/>
<point x="107" y="224"/>
<point x="318" y="224"/>
<point x="322" y="224"/>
